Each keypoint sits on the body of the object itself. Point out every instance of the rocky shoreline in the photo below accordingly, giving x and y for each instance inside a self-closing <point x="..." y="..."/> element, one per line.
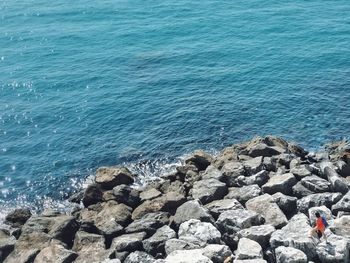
<point x="253" y="202"/>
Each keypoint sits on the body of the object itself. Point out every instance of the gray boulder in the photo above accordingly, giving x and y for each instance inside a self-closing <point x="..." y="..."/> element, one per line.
<point x="192" y="210"/>
<point x="337" y="183"/>
<point x="128" y="242"/>
<point x="148" y="223"/>
<point x="342" y="205"/>
<point x="259" y="178"/>
<point x="139" y="257"/>
<point x="344" y="168"/>
<point x="213" y="173"/>
<point x="280" y="183"/>
<point x="200" y="159"/>
<point x="202" y="231"/>
<point x="218" y="206"/>
<point x="109" y="177"/>
<point x="209" y="190"/>
<point x="248" y="249"/>
<point x="55" y="253"/>
<point x="150" y="194"/>
<point x="217" y="253"/>
<point x="232" y="221"/>
<point x="266" y="206"/>
<point x="231" y="171"/>
<point x="300" y="171"/>
<point x="335" y="250"/>
<point x="326" y="199"/>
<point x="295" y="234"/>
<point x="288" y="204"/>
<point x="187" y="256"/>
<point x="341" y="226"/>
<point x="316" y="184"/>
<point x="181" y="244"/>
<point x="260" y="234"/>
<point x="253" y="166"/>
<point x="301" y="191"/>
<point x="290" y="255"/>
<point x="155" y="244"/>
<point x="244" y="193"/>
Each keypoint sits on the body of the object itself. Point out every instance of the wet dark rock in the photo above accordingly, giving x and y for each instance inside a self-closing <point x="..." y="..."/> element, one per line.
<point x="200" y="159"/>
<point x="92" y="195"/>
<point x="263" y="150"/>
<point x="18" y="217"/>
<point x="127" y="195"/>
<point x="109" y="177"/>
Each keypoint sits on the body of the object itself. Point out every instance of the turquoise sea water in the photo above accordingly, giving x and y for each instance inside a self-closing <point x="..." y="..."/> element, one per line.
<point x="91" y="83"/>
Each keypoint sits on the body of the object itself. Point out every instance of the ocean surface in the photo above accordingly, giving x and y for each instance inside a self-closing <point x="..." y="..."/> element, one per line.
<point x="91" y="83"/>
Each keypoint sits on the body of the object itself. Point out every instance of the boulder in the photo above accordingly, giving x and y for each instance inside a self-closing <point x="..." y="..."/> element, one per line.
<point x="288" y="204"/>
<point x="138" y="257"/>
<point x="259" y="179"/>
<point x="217" y="253"/>
<point x="260" y="234"/>
<point x="18" y="217"/>
<point x="192" y="210"/>
<point x="213" y="173"/>
<point x="127" y="195"/>
<point x="290" y="255"/>
<point x="7" y="244"/>
<point x="264" y="150"/>
<point x="295" y="234"/>
<point x="187" y="256"/>
<point x="200" y="159"/>
<point x="148" y="223"/>
<point x="248" y="249"/>
<point x="326" y="199"/>
<point x="208" y="190"/>
<point x="253" y="166"/>
<point x="22" y="256"/>
<point x="341" y="226"/>
<point x="112" y="211"/>
<point x="337" y="182"/>
<point x="55" y="254"/>
<point x="232" y="221"/>
<point x="229" y="154"/>
<point x="128" y="242"/>
<point x="181" y="244"/>
<point x="202" y="231"/>
<point x="218" y="206"/>
<point x="92" y="195"/>
<point x="336" y="249"/>
<point x="176" y="186"/>
<point x="168" y="202"/>
<point x="64" y="229"/>
<point x="316" y="184"/>
<point x="109" y="177"/>
<point x="155" y="244"/>
<point x="344" y="168"/>
<point x="301" y="171"/>
<point x="342" y="205"/>
<point x="280" y="183"/>
<point x="231" y="171"/>
<point x="150" y="194"/>
<point x="244" y="193"/>
<point x="300" y="191"/>
<point x="265" y="205"/>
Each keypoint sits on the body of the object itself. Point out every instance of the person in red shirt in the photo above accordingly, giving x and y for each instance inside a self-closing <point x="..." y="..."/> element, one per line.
<point x="319" y="228"/>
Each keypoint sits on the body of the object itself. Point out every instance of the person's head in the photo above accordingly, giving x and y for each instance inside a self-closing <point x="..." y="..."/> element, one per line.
<point x="317" y="214"/>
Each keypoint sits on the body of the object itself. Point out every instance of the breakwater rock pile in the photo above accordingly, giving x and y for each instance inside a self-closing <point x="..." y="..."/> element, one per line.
<point x="253" y="202"/>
